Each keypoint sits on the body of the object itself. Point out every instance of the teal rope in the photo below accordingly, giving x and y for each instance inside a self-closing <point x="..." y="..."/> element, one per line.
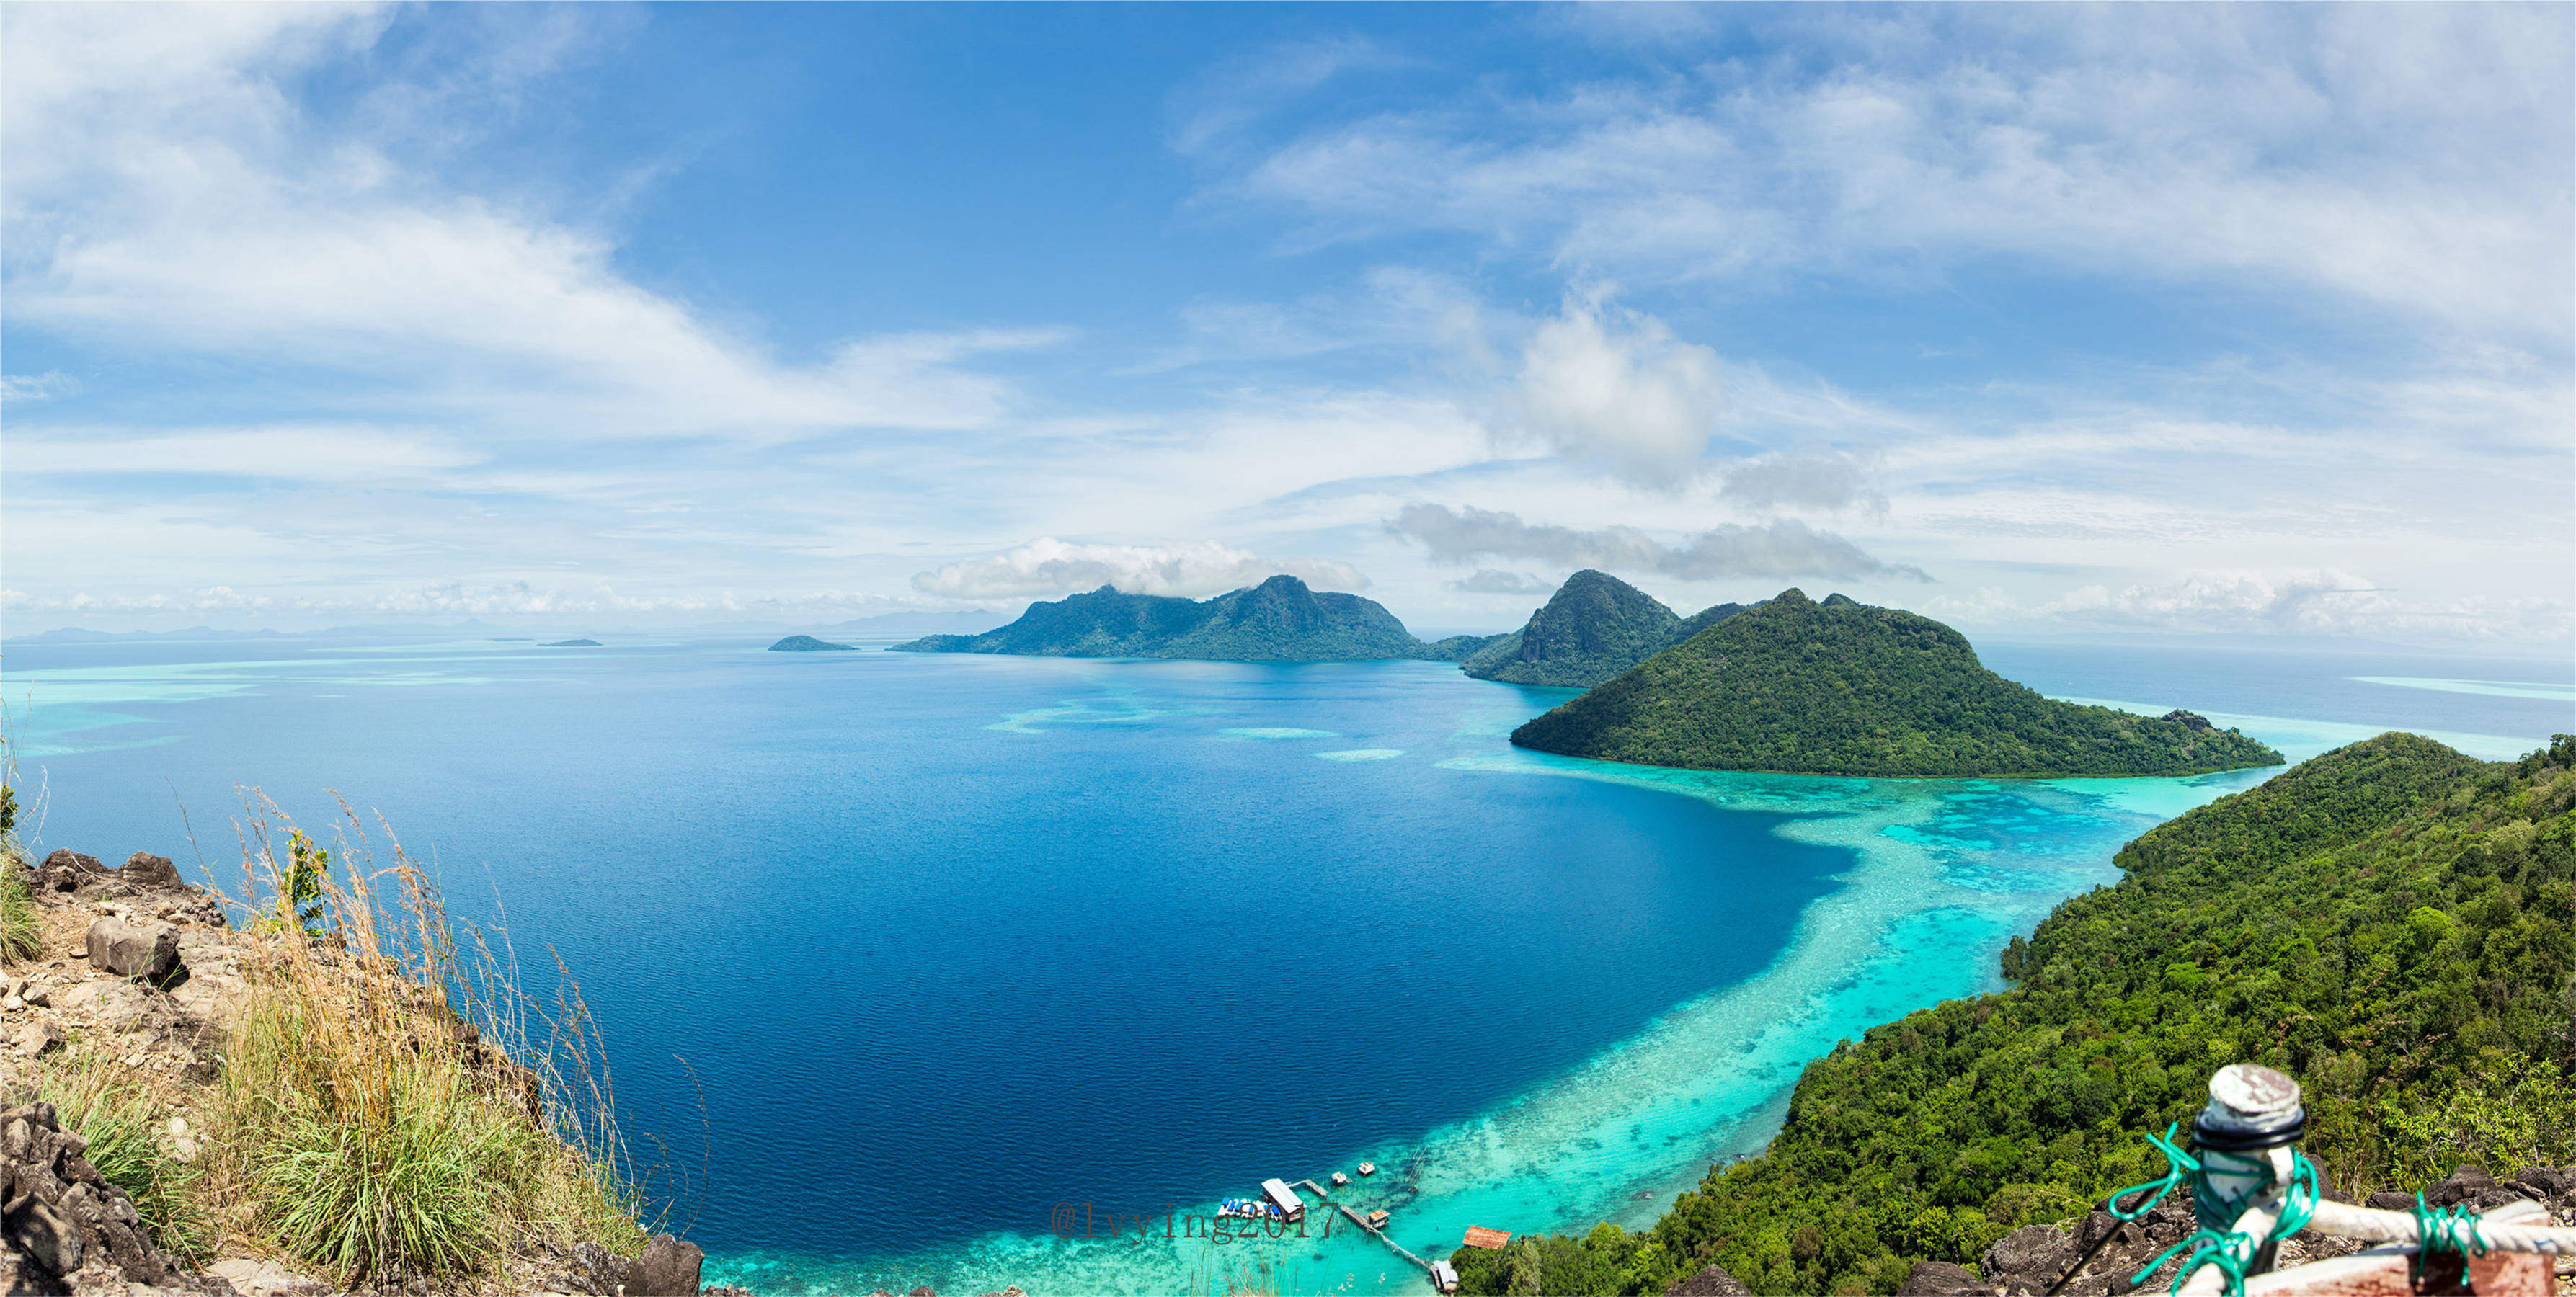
<point x="2444" y="1229"/>
<point x="2217" y="1242"/>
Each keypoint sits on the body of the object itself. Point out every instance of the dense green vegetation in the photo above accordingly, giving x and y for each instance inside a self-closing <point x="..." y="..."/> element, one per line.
<point x="2392" y="923"/>
<point x="1841" y="688"/>
<point x="1279" y="620"/>
<point x="1594" y="627"/>
<point x="809" y="644"/>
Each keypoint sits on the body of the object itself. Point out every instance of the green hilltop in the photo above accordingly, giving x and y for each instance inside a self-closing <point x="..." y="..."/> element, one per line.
<point x="1279" y="620"/>
<point x="1594" y="627"/>
<point x="2393" y="924"/>
<point x="1842" y="688"/>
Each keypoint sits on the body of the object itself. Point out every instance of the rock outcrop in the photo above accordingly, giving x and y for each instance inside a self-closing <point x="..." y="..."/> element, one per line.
<point x="66" y="1228"/>
<point x="1711" y="1282"/>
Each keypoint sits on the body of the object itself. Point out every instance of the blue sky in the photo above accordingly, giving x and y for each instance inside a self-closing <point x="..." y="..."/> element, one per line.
<point x="2041" y="320"/>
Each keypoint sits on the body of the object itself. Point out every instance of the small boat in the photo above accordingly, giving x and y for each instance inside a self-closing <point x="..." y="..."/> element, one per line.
<point x="1340" y="1179"/>
<point x="1368" y="1168"/>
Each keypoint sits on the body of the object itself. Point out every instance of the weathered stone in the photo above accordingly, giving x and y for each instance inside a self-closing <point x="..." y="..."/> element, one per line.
<point x="1711" y="1282"/>
<point x="143" y="869"/>
<point x="66" y="858"/>
<point x="595" y="1270"/>
<point x="149" y="952"/>
<point x="666" y="1268"/>
<point x="2027" y="1259"/>
<point x="39" y="1038"/>
<point x="1940" y="1279"/>
<point x="255" y="1278"/>
<point x="2552" y="1182"/>
<point x="2391" y="1200"/>
<point x="44" y="1234"/>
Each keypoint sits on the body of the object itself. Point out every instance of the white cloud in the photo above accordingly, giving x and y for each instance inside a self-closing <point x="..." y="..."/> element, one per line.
<point x="164" y="190"/>
<point x="1603" y="383"/>
<point x="1047" y="566"/>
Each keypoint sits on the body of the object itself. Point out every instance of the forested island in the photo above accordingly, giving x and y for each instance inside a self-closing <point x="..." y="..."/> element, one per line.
<point x="1842" y="688"/>
<point x="1594" y="627"/>
<point x="2392" y="923"/>
<point x="1279" y="620"/>
<point x="809" y="644"/>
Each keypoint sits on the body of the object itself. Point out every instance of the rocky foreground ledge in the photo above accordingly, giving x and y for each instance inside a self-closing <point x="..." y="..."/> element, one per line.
<point x="145" y="970"/>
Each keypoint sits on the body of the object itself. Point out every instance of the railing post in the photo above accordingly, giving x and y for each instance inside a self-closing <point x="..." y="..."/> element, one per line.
<point x="2254" y="1113"/>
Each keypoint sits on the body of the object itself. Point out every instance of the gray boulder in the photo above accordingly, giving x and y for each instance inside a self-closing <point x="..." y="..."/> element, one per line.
<point x="666" y="1268"/>
<point x="1711" y="1282"/>
<point x="148" y="951"/>
<point x="65" y="870"/>
<point x="2028" y="1259"/>
<point x="143" y="869"/>
<point x="1940" y="1279"/>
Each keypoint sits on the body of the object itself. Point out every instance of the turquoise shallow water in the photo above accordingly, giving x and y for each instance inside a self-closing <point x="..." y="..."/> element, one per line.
<point x="962" y="951"/>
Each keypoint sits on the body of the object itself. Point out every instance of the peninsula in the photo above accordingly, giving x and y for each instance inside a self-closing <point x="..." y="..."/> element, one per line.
<point x="1594" y="627"/>
<point x="1279" y="620"/>
<point x="1842" y="688"/>
<point x="2392" y="923"/>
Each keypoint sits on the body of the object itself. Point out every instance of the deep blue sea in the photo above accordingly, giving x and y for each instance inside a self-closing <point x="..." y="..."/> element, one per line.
<point x="897" y="956"/>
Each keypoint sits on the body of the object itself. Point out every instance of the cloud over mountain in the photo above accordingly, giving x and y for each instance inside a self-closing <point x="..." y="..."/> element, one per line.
<point x="1046" y="567"/>
<point x="1783" y="548"/>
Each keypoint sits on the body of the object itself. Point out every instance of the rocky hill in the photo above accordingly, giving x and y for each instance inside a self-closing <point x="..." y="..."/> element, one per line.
<point x="1842" y="688"/>
<point x="1594" y="627"/>
<point x="1279" y="620"/>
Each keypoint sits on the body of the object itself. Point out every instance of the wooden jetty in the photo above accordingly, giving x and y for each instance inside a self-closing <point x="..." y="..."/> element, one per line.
<point x="1376" y="1231"/>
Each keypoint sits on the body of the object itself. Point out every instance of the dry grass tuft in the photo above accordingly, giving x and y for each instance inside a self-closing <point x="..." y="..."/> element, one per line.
<point x="390" y="1104"/>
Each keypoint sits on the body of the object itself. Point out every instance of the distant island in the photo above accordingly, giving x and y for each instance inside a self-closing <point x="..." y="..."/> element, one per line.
<point x="570" y="643"/>
<point x="1594" y="627"/>
<point x="1841" y="688"/>
<point x="1279" y="620"/>
<point x="809" y="644"/>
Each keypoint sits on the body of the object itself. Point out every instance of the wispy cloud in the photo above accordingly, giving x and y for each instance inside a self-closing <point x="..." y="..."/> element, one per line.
<point x="38" y="387"/>
<point x="2324" y="601"/>
<point x="2373" y="157"/>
